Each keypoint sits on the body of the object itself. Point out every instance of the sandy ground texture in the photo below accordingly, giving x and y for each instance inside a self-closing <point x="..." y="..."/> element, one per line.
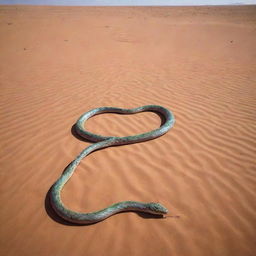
<point x="59" y="62"/>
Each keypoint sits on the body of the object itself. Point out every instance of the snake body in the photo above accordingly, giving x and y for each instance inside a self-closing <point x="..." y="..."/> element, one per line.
<point x="103" y="142"/>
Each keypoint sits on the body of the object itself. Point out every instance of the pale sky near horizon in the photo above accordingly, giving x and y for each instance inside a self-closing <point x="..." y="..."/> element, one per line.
<point x="129" y="2"/>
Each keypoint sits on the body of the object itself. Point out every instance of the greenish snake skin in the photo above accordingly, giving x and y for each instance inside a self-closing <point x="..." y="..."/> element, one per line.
<point x="103" y="142"/>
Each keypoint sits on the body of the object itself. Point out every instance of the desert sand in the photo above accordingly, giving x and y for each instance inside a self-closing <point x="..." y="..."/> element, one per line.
<point x="199" y="62"/>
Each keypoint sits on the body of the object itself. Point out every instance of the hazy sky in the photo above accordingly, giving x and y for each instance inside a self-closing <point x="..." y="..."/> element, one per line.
<point x="128" y="2"/>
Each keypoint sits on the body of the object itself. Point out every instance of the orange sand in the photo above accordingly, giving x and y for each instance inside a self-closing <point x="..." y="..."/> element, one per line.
<point x="59" y="62"/>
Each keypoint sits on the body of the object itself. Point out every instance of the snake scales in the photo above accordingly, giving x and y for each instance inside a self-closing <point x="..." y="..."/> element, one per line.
<point x="103" y="142"/>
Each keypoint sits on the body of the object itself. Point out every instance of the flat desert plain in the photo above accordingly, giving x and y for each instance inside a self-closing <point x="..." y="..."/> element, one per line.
<point x="199" y="62"/>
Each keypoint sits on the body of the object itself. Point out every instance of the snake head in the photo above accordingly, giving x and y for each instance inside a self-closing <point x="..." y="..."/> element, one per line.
<point x="156" y="208"/>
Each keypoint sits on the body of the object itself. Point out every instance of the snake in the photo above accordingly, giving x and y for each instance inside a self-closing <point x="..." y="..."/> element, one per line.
<point x="101" y="142"/>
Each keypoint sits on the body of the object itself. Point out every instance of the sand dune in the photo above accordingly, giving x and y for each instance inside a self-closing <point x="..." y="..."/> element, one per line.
<point x="59" y="62"/>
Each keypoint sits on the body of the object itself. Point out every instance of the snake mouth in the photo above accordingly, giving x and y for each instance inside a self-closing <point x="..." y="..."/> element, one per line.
<point x="164" y="212"/>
